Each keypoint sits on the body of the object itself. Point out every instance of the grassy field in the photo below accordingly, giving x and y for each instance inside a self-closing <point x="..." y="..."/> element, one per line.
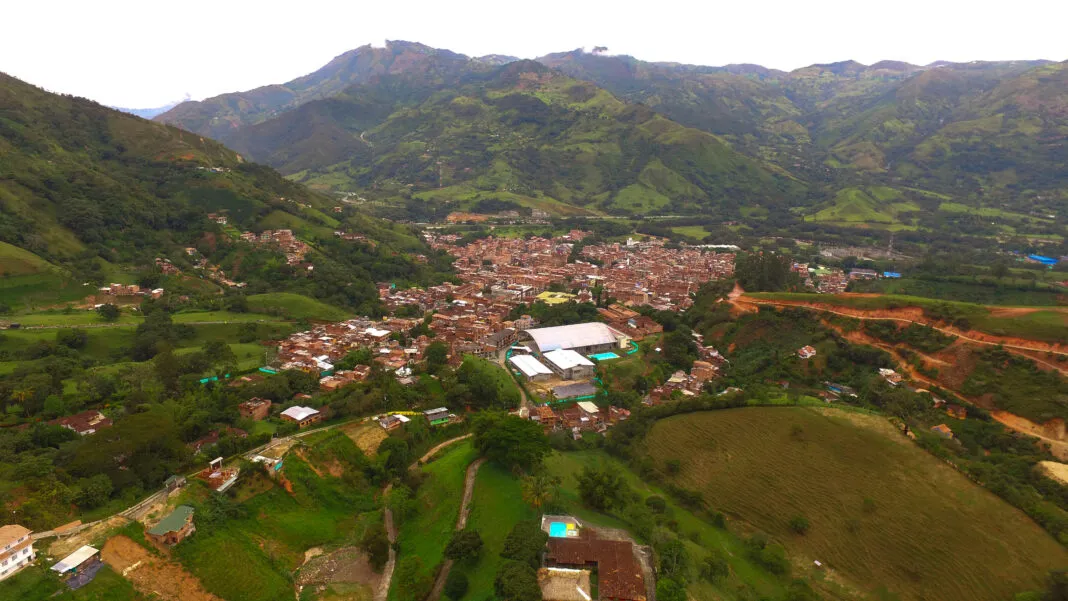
<point x="39" y="289"/>
<point x="15" y="261"/>
<point x="425" y="534"/>
<point x="295" y="306"/>
<point x="497" y="505"/>
<point x="882" y="511"/>
<point x="747" y="580"/>
<point x="979" y="293"/>
<point x="694" y="231"/>
<point x="36" y="583"/>
<point x="1043" y="324"/>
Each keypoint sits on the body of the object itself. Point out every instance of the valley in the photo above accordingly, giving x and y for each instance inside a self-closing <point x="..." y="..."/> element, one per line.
<point x="419" y="326"/>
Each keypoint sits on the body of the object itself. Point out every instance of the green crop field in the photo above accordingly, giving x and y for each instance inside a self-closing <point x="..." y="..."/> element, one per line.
<point x="1017" y="292"/>
<point x="496" y="506"/>
<point x="882" y="511"/>
<point x="295" y="306"/>
<point x="437" y="501"/>
<point x="39" y="289"/>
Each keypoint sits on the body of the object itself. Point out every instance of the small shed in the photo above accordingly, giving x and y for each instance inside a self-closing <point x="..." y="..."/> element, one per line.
<point x="438" y="416"/>
<point x="80" y="562"/>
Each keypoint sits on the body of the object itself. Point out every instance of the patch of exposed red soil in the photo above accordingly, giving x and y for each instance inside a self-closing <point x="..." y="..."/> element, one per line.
<point x="153" y="576"/>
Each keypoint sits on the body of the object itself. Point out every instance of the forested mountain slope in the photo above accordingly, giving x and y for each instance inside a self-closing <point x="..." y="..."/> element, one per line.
<point x="93" y="190"/>
<point x="985" y="134"/>
<point x="522" y="130"/>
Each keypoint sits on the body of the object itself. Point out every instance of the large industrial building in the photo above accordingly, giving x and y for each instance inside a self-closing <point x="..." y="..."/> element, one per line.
<point x="583" y="338"/>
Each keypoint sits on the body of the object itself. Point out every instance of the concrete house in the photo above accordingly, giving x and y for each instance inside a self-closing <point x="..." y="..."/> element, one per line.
<point x="16" y="549"/>
<point x="437" y="417"/>
<point x="302" y="416"/>
<point x="255" y="409"/>
<point x="530" y="367"/>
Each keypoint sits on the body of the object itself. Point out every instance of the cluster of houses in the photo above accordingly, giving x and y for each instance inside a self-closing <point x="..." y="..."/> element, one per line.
<point x="318" y="349"/>
<point x="577" y="418"/>
<point x="114" y="289"/>
<point x="645" y="273"/>
<point x="80" y="567"/>
<point x="284" y="240"/>
<point x="832" y="280"/>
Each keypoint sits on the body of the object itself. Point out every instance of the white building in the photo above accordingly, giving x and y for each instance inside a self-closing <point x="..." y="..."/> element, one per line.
<point x="583" y="338"/>
<point x="530" y="367"/>
<point x="569" y="364"/>
<point x="16" y="549"/>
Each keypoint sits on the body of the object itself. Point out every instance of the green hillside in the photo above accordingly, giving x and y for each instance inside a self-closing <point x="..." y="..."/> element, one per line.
<point x="82" y="177"/>
<point x="92" y="195"/>
<point x="867" y="493"/>
<point x="411" y="123"/>
<point x="522" y="130"/>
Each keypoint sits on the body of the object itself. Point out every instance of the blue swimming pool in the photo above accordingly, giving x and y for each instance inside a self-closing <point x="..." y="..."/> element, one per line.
<point x="558" y="529"/>
<point x="604" y="356"/>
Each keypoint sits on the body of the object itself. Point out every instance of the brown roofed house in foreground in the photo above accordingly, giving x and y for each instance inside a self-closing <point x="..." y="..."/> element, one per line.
<point x="619" y="575"/>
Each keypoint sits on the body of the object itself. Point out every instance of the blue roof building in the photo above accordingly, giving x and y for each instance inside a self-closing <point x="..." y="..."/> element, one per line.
<point x="1043" y="260"/>
<point x="891" y="274"/>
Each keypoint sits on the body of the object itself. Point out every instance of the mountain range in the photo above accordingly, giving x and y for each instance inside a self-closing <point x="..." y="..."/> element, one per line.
<point x="580" y="132"/>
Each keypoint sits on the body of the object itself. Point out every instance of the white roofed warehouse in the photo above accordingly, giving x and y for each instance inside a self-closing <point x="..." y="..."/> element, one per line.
<point x="569" y="364"/>
<point x="583" y="338"/>
<point x="531" y="368"/>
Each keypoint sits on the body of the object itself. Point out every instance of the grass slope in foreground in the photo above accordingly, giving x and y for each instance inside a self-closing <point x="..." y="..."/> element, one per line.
<point x="497" y="505"/>
<point x="437" y="502"/>
<point x="882" y="512"/>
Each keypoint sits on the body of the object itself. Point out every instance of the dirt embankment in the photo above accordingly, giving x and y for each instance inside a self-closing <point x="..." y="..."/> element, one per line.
<point x="916" y="315"/>
<point x="347" y="565"/>
<point x="151" y="575"/>
<point x="953" y="364"/>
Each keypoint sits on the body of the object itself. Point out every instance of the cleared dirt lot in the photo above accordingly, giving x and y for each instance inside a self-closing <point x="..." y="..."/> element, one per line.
<point x="152" y="575"/>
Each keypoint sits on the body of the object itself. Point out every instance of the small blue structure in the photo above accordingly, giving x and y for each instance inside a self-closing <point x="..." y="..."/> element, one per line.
<point x="558" y="530"/>
<point x="1043" y="260"/>
<point x="604" y="356"/>
<point x="891" y="274"/>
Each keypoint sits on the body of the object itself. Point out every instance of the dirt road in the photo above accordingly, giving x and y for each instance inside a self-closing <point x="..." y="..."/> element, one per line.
<point x="857" y="314"/>
<point x="461" y="522"/>
<point x="391" y="529"/>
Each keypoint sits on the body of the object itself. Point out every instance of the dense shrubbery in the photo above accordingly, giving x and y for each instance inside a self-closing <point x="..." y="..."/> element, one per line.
<point x="920" y="337"/>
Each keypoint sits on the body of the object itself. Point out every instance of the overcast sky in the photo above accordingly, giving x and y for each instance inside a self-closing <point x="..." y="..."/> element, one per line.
<point x="146" y="53"/>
